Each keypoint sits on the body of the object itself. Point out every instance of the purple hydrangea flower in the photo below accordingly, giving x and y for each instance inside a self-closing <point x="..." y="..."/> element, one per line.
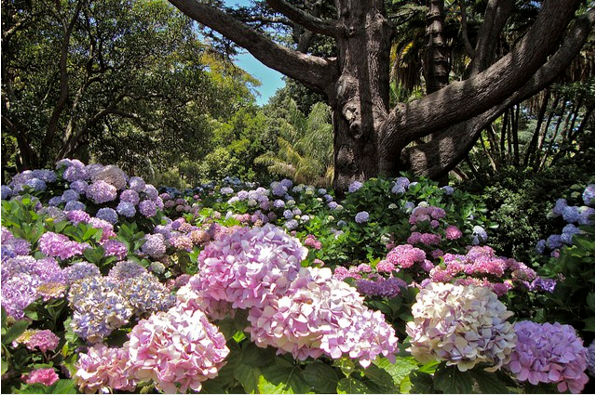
<point x="147" y="208"/>
<point x="115" y="248"/>
<point x="45" y="175"/>
<point x="398" y="189"/>
<point x="79" y="186"/>
<point x="131" y="196"/>
<point x="291" y="224"/>
<point x="279" y="203"/>
<point x="107" y="214"/>
<point x="568" y="232"/>
<point x="78" y="216"/>
<point x="448" y="189"/>
<point x="571" y="214"/>
<point x="74" y="205"/>
<point x="70" y="195"/>
<point x="586" y="215"/>
<point x="286" y="182"/>
<point x="549" y="353"/>
<point x="540" y="247"/>
<point x="591" y="359"/>
<point x="554" y="241"/>
<point x="102" y="192"/>
<point x="37" y="184"/>
<point x="154" y="245"/>
<point x="479" y="235"/>
<point x="74" y="171"/>
<point x="80" y="270"/>
<point x="126" y="209"/>
<point x="361" y="217"/>
<point x="543" y="284"/>
<point x="55" y="201"/>
<point x="384" y="288"/>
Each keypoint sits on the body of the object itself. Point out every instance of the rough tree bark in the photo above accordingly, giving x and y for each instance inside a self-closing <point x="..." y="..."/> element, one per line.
<point x="371" y="139"/>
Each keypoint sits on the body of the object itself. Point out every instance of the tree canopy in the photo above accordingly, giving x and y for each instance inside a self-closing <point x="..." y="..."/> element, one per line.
<point x="512" y="50"/>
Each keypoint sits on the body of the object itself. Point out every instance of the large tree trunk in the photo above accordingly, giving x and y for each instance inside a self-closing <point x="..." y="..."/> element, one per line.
<point x="361" y="95"/>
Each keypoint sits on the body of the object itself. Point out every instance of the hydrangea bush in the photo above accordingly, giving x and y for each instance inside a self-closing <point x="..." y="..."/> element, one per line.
<point x="110" y="284"/>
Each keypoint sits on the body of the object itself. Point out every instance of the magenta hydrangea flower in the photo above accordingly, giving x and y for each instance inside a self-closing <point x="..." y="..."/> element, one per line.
<point x="177" y="349"/>
<point x="45" y="376"/>
<point x="322" y="315"/>
<point x="58" y="245"/>
<point x="103" y="369"/>
<point x="549" y="353"/>
<point x="462" y="325"/>
<point x="115" y="248"/>
<point x="405" y="256"/>
<point x="453" y="233"/>
<point x="250" y="265"/>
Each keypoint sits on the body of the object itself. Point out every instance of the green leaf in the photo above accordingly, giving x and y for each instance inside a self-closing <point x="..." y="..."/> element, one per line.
<point x="63" y="387"/>
<point x="248" y="377"/>
<point x="398" y="370"/>
<point x="589" y="324"/>
<point x="15" y="331"/>
<point x="321" y="377"/>
<point x="349" y="385"/>
<point x="488" y="382"/>
<point x="421" y="383"/>
<point x="450" y="380"/>
<point x="257" y="356"/>
<point x="591" y="301"/>
<point x="5" y="366"/>
<point x="279" y="379"/>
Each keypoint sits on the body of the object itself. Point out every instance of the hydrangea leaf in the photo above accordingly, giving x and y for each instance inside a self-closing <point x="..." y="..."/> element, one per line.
<point x="398" y="371"/>
<point x="14" y="331"/>
<point x="321" y="377"/>
<point x="278" y="379"/>
<point x="349" y="385"/>
<point x="257" y="356"/>
<point x="451" y="380"/>
<point x="248" y="377"/>
<point x="489" y="383"/>
<point x="63" y="387"/>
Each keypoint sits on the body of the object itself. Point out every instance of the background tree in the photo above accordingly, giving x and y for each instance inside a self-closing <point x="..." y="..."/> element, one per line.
<point x="121" y="81"/>
<point x="370" y="138"/>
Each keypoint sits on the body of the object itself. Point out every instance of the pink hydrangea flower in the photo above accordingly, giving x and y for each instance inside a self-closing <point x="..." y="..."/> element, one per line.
<point x="177" y="349"/>
<point x="250" y="265"/>
<point x="45" y="376"/>
<point x="405" y="256"/>
<point x="322" y="315"/>
<point x="42" y="340"/>
<point x="58" y="245"/>
<point x="103" y="369"/>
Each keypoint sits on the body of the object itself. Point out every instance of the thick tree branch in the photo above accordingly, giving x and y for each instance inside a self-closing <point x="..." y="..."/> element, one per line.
<point x="457" y="140"/>
<point x="459" y="100"/>
<point x="315" y="72"/>
<point x="497" y="12"/>
<point x="64" y="87"/>
<point x="308" y="21"/>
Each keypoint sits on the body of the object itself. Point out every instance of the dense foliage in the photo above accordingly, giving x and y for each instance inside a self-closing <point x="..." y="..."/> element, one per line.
<point x="109" y="284"/>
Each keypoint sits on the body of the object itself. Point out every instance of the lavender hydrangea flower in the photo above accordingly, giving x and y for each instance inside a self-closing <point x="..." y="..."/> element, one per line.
<point x="37" y="184"/>
<point x="131" y="196"/>
<point x="137" y="184"/>
<point x="147" y="208"/>
<point x="98" y="307"/>
<point x="58" y="245"/>
<point x="384" y="288"/>
<point x="80" y="270"/>
<point x="591" y="359"/>
<point x="102" y="192"/>
<point x="568" y="232"/>
<point x="291" y="224"/>
<point x="146" y="294"/>
<point x="361" y="217"/>
<point x="354" y="186"/>
<point x="549" y="353"/>
<point x="554" y="241"/>
<point x="479" y="235"/>
<point x="75" y="170"/>
<point x="589" y="195"/>
<point x="278" y="203"/>
<point x="115" y="248"/>
<point x="111" y="174"/>
<point x="462" y="325"/>
<point x="586" y="215"/>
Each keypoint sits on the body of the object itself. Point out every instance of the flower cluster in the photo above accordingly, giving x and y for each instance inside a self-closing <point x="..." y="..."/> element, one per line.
<point x="45" y="376"/>
<point x="462" y="325"/>
<point x="177" y="349"/>
<point x="249" y="265"/>
<point x="103" y="369"/>
<point x="42" y="340"/>
<point x="322" y="315"/>
<point x="58" y="245"/>
<point x="549" y="353"/>
<point x="25" y="279"/>
<point x="481" y="266"/>
<point x="404" y="257"/>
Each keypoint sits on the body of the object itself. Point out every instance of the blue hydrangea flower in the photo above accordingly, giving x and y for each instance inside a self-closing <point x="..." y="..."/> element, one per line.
<point x="448" y="189"/>
<point x="589" y="195"/>
<point x="37" y="184"/>
<point x="126" y="209"/>
<point x="361" y="217"/>
<point x="558" y="209"/>
<point x="6" y="192"/>
<point x="291" y="224"/>
<point x="55" y="201"/>
<point x="554" y="241"/>
<point x="398" y="189"/>
<point x="287" y="183"/>
<point x="571" y="214"/>
<point x="107" y="214"/>
<point x="540" y="247"/>
<point x="69" y="195"/>
<point x="279" y="203"/>
<point x="288" y="214"/>
<point x="74" y="205"/>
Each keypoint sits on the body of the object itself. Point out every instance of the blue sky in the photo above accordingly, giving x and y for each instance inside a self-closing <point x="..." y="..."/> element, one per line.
<point x="270" y="79"/>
